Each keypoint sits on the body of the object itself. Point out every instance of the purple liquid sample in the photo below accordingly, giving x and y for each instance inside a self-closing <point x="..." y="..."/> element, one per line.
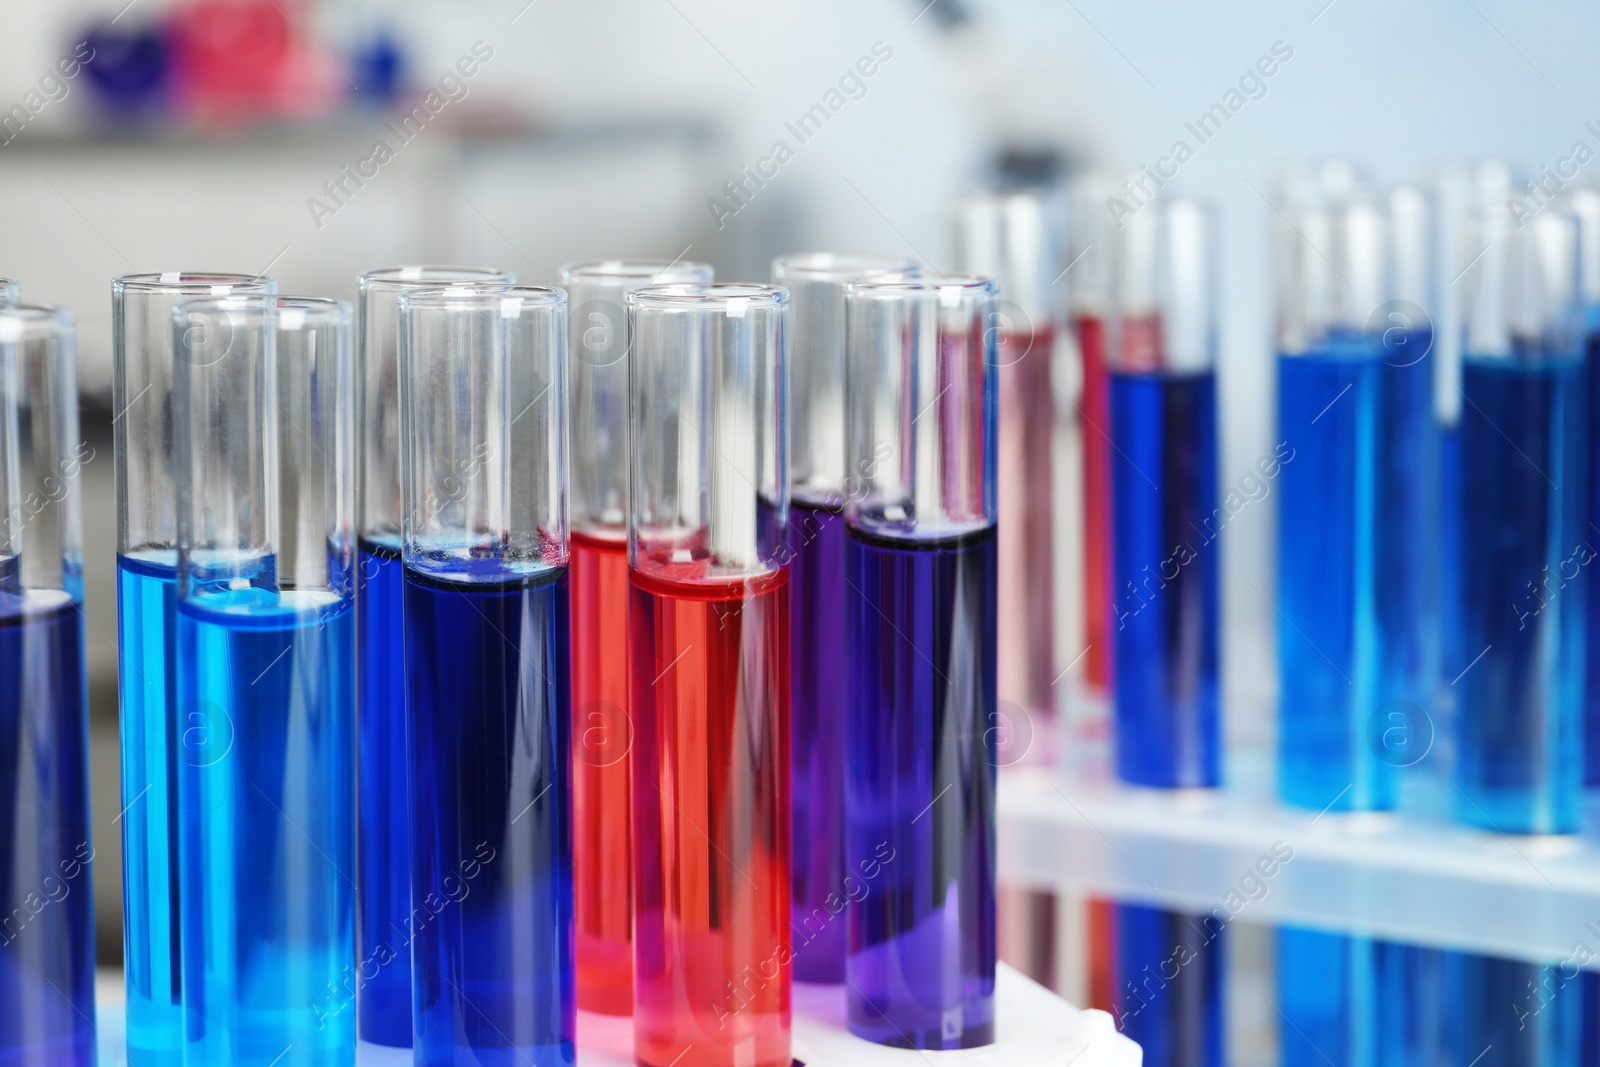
<point x="920" y="786"/>
<point x="819" y="617"/>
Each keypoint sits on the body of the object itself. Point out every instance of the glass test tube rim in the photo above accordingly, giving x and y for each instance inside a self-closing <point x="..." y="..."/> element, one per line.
<point x="722" y="297"/>
<point x="475" y="296"/>
<point x="841" y="267"/>
<point x="399" y="279"/>
<point x="17" y="320"/>
<point x="620" y="271"/>
<point x="190" y="283"/>
<point x="317" y="310"/>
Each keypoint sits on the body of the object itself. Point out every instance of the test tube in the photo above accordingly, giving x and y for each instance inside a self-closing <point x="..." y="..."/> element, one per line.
<point x="1457" y="191"/>
<point x="920" y="768"/>
<point x="708" y="625"/>
<point x="1171" y="972"/>
<point x="602" y="848"/>
<point x="483" y="425"/>
<point x="819" y="597"/>
<point x="1585" y="205"/>
<point x="1354" y="460"/>
<point x="383" y="833"/>
<point x="1522" y="510"/>
<point x="1166" y="514"/>
<point x="10" y="292"/>
<point x="263" y="428"/>
<point x="147" y="562"/>
<point x="47" y="1013"/>
<point x="1530" y="1014"/>
<point x="1014" y="237"/>
<point x="1357" y="1000"/>
<point x="1088" y="281"/>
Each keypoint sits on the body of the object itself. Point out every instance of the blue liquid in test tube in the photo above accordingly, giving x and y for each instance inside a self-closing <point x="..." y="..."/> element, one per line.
<point x="1357" y="1001"/>
<point x="265" y="679"/>
<point x="1357" y="441"/>
<point x="384" y="919"/>
<point x="1166" y="513"/>
<point x="1164" y="492"/>
<point x="1170" y="971"/>
<point x="1513" y="1013"/>
<point x="146" y="630"/>
<point x="265" y="774"/>
<point x="47" y="1007"/>
<point x="1526" y="547"/>
<point x="488" y="688"/>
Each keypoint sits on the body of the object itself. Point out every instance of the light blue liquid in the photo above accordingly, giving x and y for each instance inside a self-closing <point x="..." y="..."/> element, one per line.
<point x="1357" y="1002"/>
<point x="1356" y="635"/>
<point x="146" y="583"/>
<point x="267" y="796"/>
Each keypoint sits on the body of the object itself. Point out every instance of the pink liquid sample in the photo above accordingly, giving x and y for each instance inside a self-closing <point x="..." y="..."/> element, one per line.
<point x="1027" y="662"/>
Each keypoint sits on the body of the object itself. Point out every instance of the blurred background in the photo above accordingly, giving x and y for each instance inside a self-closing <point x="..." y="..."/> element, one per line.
<point x="315" y="138"/>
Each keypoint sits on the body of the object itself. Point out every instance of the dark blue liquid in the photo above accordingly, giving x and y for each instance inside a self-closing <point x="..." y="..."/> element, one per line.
<point x="1591" y="763"/>
<point x="1590" y="1037"/>
<point x="266" y="803"/>
<point x="47" y="925"/>
<point x="1166" y="516"/>
<point x="1523" y="1014"/>
<point x="383" y="839"/>
<point x="1355" y="629"/>
<point x="819" y="686"/>
<point x="919" y="784"/>
<point x="489" y="705"/>
<point x="1525" y="558"/>
<point x="1358" y="1001"/>
<point x="146" y="621"/>
<point x="1169" y="985"/>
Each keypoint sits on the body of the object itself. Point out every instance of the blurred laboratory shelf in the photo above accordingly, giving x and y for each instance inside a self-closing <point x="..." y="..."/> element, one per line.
<point x="1238" y="854"/>
<point x="315" y="205"/>
<point x="1035" y="1028"/>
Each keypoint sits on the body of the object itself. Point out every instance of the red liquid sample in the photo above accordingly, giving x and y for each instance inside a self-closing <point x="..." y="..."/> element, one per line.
<point x="1027" y="638"/>
<point x="1094" y="410"/>
<point x="602" y="736"/>
<point x="710" y="708"/>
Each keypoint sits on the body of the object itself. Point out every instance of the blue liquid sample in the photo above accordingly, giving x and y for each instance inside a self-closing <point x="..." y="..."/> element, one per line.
<point x="1356" y="640"/>
<point x="1166" y="516"/>
<point x="1590" y="1036"/>
<point x="383" y="835"/>
<point x="489" y="700"/>
<point x="1169" y="985"/>
<point x="1358" y="1002"/>
<point x="1591" y="762"/>
<point x="819" y="686"/>
<point x="1524" y="568"/>
<point x="1514" y="1014"/>
<point x="266" y="825"/>
<point x="146" y="644"/>
<point x="47" y="928"/>
<point x="920" y="790"/>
